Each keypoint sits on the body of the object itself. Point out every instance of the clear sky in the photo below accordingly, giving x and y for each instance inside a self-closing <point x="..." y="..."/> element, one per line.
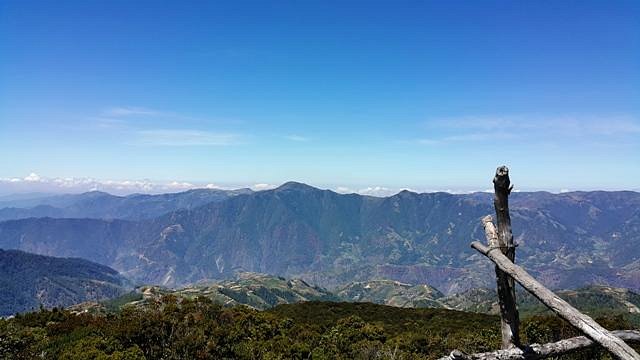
<point x="427" y="95"/>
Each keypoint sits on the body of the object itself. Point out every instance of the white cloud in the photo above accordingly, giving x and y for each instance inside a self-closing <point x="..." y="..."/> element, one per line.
<point x="259" y="187"/>
<point x="490" y="128"/>
<point x="180" y="185"/>
<point x="33" y="177"/>
<point x="468" y="137"/>
<point x="36" y="183"/>
<point x="130" y="111"/>
<point x="297" y="138"/>
<point x="409" y="189"/>
<point x="109" y="123"/>
<point x="148" y="127"/>
<point x="185" y="137"/>
<point x="344" y="190"/>
<point x="381" y="191"/>
<point x="377" y="191"/>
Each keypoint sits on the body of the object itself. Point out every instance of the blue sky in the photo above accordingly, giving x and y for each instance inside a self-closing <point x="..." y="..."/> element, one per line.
<point x="350" y="94"/>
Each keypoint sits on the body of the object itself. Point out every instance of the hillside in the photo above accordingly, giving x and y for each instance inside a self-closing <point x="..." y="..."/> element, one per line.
<point x="28" y="281"/>
<point x="199" y="329"/>
<point x="258" y="291"/>
<point x="595" y="300"/>
<point x="330" y="239"/>
<point x="392" y="293"/>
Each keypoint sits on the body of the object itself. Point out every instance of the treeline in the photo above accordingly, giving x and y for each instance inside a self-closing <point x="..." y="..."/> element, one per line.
<point x="174" y="328"/>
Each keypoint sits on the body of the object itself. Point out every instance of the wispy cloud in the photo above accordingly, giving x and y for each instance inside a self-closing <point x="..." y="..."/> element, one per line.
<point x="130" y="111"/>
<point x="376" y="191"/>
<point x="150" y="127"/>
<point x="468" y="137"/>
<point x="344" y="190"/>
<point x="297" y="138"/>
<point x="144" y="114"/>
<point x="185" y="137"/>
<point x="109" y="123"/>
<point x="379" y="191"/>
<point x="491" y="128"/>
<point x="36" y="183"/>
<point x="567" y="124"/>
<point x="262" y="186"/>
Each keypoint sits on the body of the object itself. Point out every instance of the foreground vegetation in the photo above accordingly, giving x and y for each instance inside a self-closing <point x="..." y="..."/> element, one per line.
<point x="174" y="328"/>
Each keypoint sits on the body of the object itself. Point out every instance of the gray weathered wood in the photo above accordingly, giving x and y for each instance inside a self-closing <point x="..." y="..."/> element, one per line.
<point x="584" y="323"/>
<point x="509" y="318"/>
<point x="541" y="351"/>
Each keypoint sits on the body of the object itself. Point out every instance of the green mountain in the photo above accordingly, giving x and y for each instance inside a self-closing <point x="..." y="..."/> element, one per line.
<point x="392" y="293"/>
<point x="595" y="300"/>
<point x="29" y="281"/>
<point x="258" y="291"/>
<point x="297" y="231"/>
<point x="477" y="300"/>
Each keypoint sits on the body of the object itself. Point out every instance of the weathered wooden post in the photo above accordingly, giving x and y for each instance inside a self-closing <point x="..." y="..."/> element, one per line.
<point x="501" y="251"/>
<point x="510" y="321"/>
<point x="587" y="325"/>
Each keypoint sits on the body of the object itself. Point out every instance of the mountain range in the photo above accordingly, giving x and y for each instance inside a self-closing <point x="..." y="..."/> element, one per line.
<point x="567" y="240"/>
<point x="29" y="281"/>
<point x="101" y="205"/>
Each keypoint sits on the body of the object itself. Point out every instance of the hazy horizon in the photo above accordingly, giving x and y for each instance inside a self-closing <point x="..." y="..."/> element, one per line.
<point x="36" y="184"/>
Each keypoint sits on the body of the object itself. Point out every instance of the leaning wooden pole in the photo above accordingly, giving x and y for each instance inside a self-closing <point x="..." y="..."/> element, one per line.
<point x="584" y="323"/>
<point x="509" y="318"/>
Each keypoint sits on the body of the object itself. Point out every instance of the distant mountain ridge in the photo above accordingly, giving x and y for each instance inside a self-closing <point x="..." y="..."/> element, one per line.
<point x="261" y="291"/>
<point x="258" y="291"/>
<point x="331" y="239"/>
<point x="101" y="205"/>
<point x="28" y="281"/>
<point x="393" y="293"/>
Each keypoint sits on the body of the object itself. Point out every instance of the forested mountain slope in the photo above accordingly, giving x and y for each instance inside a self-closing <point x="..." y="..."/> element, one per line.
<point x="330" y="239"/>
<point x="28" y="281"/>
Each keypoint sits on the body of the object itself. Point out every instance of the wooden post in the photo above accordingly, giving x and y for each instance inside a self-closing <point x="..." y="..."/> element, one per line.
<point x="507" y="271"/>
<point x="509" y="318"/>
<point x="584" y="323"/>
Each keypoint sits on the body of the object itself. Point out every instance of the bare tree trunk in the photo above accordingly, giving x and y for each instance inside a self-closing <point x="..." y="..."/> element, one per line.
<point x="584" y="323"/>
<point x="510" y="321"/>
<point x="538" y="351"/>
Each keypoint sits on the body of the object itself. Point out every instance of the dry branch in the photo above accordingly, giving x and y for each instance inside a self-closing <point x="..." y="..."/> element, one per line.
<point x="538" y="351"/>
<point x="584" y="323"/>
